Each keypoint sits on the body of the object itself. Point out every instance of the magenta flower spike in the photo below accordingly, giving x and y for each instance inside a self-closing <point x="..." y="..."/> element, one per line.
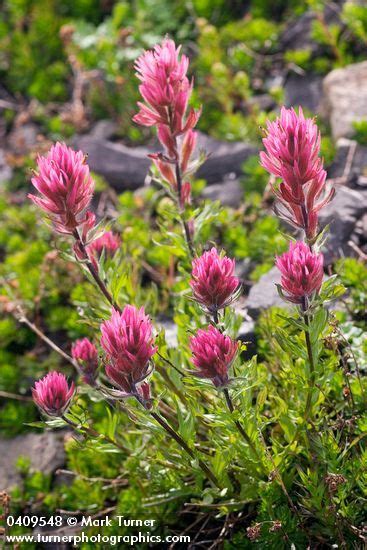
<point x="301" y="272"/>
<point x="213" y="282"/>
<point x="166" y="91"/>
<point x="86" y="355"/>
<point x="52" y="394"/>
<point x="65" y="186"/>
<point x="212" y="354"/>
<point x="292" y="153"/>
<point x="127" y="340"/>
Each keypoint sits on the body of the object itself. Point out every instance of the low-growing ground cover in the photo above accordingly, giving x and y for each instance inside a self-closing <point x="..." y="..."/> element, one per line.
<point x="167" y="415"/>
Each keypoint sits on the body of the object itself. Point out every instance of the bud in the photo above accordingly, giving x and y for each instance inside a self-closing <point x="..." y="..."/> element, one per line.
<point x="301" y="272"/>
<point x="254" y="532"/>
<point x="52" y="394"/>
<point x="185" y="193"/>
<point x="333" y="481"/>
<point x="88" y="225"/>
<point x="65" y="187"/>
<point x="276" y="526"/>
<point x="86" y="354"/>
<point x="213" y="282"/>
<point x="109" y="242"/>
<point x="128" y="344"/>
<point x="212" y="354"/>
<point x="188" y="147"/>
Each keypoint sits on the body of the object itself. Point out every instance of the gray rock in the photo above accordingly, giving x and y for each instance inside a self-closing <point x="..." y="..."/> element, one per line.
<point x="304" y="90"/>
<point x="361" y="228"/>
<point x="229" y="193"/>
<point x="353" y="173"/>
<point x="104" y="129"/>
<point x="244" y="268"/>
<point x="127" y="168"/>
<point x="123" y="167"/>
<point x="342" y="213"/>
<point x="224" y="158"/>
<point x="360" y="234"/>
<point x="346" y="98"/>
<point x="246" y="330"/>
<point x="246" y="334"/>
<point x="264" y="294"/>
<point x="297" y="35"/>
<point x="264" y="102"/>
<point x="338" y="165"/>
<point x="170" y="330"/>
<point x="5" y="170"/>
<point x="45" y="451"/>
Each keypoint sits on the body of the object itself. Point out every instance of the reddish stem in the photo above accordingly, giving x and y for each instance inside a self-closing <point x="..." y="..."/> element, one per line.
<point x="93" y="271"/>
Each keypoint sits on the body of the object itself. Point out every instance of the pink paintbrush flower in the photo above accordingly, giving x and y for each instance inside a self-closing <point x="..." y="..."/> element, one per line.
<point x="65" y="187"/>
<point x="301" y="272"/>
<point x="166" y="91"/>
<point x="86" y="354"/>
<point x="213" y="282"/>
<point x="127" y="340"/>
<point x="165" y="88"/>
<point x="292" y="146"/>
<point x="52" y="394"/>
<point x="212" y="354"/>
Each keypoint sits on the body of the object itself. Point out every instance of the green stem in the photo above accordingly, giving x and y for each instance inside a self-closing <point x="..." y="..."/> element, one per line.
<point x="93" y="433"/>
<point x="311" y="384"/>
<point x="180" y="209"/>
<point x="176" y="436"/>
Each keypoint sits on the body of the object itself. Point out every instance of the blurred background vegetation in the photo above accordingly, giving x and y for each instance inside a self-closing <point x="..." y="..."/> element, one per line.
<point x="48" y="46"/>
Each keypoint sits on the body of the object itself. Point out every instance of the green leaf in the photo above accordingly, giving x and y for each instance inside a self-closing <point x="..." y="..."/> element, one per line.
<point x="261" y="398"/>
<point x="318" y="324"/>
<point x="288" y="427"/>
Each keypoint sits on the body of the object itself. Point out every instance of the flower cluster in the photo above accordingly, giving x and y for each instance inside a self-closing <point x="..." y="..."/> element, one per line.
<point x="128" y="344"/>
<point x="302" y="272"/>
<point x="86" y="355"/>
<point x="213" y="354"/>
<point x="52" y="394"/>
<point x="166" y="91"/>
<point x="65" y="186"/>
<point x="213" y="282"/>
<point x="292" y="153"/>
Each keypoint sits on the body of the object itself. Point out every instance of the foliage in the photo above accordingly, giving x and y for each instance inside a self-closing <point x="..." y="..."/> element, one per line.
<point x="301" y="480"/>
<point x="32" y="58"/>
<point x="361" y="131"/>
<point x="269" y="392"/>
